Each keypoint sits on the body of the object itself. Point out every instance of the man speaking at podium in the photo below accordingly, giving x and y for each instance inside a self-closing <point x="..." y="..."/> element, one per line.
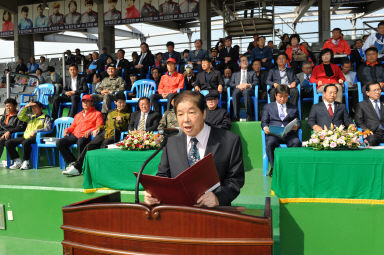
<point x="199" y="139"/>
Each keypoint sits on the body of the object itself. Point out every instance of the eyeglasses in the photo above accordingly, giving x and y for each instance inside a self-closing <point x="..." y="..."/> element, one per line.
<point x="376" y="90"/>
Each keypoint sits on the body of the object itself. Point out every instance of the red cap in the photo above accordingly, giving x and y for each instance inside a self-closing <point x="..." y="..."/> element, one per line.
<point x="171" y="60"/>
<point x="87" y="98"/>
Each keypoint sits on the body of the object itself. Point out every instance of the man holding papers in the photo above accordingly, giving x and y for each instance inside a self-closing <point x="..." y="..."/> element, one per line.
<point x="198" y="140"/>
<point x="279" y="114"/>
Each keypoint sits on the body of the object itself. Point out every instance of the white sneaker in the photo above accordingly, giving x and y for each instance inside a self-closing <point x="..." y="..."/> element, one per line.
<point x="72" y="171"/>
<point x="69" y="166"/>
<point x="25" y="165"/>
<point x="16" y="164"/>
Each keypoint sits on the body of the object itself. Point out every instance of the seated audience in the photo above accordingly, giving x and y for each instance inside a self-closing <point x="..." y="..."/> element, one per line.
<point x="243" y="84"/>
<point x="169" y="84"/>
<point x="357" y="53"/>
<point x="171" y="53"/>
<point x="208" y="79"/>
<point x="350" y="76"/>
<point x="145" y="119"/>
<point x="253" y="44"/>
<point x="80" y="132"/>
<point x="55" y="79"/>
<point x="328" y="73"/>
<point x="144" y="61"/>
<point x="285" y="76"/>
<point x="96" y="66"/>
<point x="21" y="66"/>
<point x="337" y="44"/>
<point x="262" y="53"/>
<point x="371" y="71"/>
<point x="70" y="59"/>
<point x="32" y="65"/>
<point x="329" y="111"/>
<point x="9" y="123"/>
<point x="169" y="119"/>
<point x="96" y="82"/>
<point x="4" y="79"/>
<point x="117" y="122"/>
<point x="37" y="122"/>
<point x="310" y="53"/>
<point x="284" y="43"/>
<point x="229" y="55"/>
<point x="296" y="53"/>
<point x="184" y="61"/>
<point x="304" y="79"/>
<point x="79" y="58"/>
<point x="195" y="56"/>
<point x="122" y="64"/>
<point x="215" y="116"/>
<point x="376" y="39"/>
<point x="215" y="60"/>
<point x="189" y="77"/>
<point x="107" y="88"/>
<point x="156" y="76"/>
<point x="279" y="113"/>
<point x="43" y="65"/>
<point x="74" y="86"/>
<point x="261" y="77"/>
<point x="370" y="115"/>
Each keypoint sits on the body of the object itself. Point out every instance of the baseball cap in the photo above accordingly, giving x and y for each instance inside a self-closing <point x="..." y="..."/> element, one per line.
<point x="213" y="94"/>
<point x="171" y="60"/>
<point x="111" y="65"/>
<point x="87" y="98"/>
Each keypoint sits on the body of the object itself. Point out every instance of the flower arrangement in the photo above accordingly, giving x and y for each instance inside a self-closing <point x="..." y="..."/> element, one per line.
<point x="335" y="138"/>
<point x="140" y="141"/>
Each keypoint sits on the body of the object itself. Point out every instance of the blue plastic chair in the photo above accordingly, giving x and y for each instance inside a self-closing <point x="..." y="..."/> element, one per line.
<point x="265" y="157"/>
<point x="143" y="88"/>
<point x="15" y="135"/>
<point x="59" y="125"/>
<point x="42" y="94"/>
<point x="254" y="99"/>
<point x="316" y="95"/>
<point x="298" y="101"/>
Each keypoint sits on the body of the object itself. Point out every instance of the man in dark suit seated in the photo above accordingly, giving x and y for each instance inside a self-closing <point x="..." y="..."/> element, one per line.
<point x="328" y="112"/>
<point x="198" y="140"/>
<point x="216" y="117"/>
<point x="171" y="53"/>
<point x="145" y="119"/>
<point x="279" y="113"/>
<point x="195" y="56"/>
<point x="229" y="55"/>
<point x="304" y="76"/>
<point x="74" y="86"/>
<point x="283" y="75"/>
<point x="243" y="84"/>
<point x="370" y="115"/>
<point x="122" y="64"/>
<point x="371" y="71"/>
<point x="144" y="61"/>
<point x="208" y="79"/>
<point x="261" y="77"/>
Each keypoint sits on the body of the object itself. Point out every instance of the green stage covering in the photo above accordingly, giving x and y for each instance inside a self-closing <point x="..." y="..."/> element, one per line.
<point x="305" y="175"/>
<point x="114" y="168"/>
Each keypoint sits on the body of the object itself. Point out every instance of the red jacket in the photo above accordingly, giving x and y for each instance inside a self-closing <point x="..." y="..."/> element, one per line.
<point x="289" y="52"/>
<point x="170" y="84"/>
<point x="92" y="120"/>
<point x="318" y="74"/>
<point x="342" y="46"/>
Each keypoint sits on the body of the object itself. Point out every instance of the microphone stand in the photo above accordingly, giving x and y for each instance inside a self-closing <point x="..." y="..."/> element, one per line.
<point x="162" y="145"/>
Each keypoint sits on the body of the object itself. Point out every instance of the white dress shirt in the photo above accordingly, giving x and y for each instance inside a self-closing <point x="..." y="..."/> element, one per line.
<point x="374" y="104"/>
<point x="145" y="117"/>
<point x="327" y="105"/>
<point x="350" y="78"/>
<point x="243" y="76"/>
<point x="284" y="77"/>
<point x="202" y="139"/>
<point x="142" y="58"/>
<point x="73" y="83"/>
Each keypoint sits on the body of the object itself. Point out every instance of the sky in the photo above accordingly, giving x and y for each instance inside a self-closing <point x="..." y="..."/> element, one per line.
<point x="152" y="32"/>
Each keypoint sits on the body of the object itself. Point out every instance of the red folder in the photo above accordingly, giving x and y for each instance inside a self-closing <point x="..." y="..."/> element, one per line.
<point x="187" y="187"/>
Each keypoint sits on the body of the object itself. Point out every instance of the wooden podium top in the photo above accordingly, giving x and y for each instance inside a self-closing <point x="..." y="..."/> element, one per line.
<point x="104" y="225"/>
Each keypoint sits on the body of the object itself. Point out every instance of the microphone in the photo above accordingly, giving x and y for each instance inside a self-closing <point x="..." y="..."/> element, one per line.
<point x="170" y="131"/>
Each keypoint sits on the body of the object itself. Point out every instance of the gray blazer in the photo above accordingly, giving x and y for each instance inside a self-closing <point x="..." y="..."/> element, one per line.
<point x="251" y="79"/>
<point x="226" y="149"/>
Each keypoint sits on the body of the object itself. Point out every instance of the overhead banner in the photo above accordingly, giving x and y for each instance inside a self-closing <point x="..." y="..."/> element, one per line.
<point x="80" y="14"/>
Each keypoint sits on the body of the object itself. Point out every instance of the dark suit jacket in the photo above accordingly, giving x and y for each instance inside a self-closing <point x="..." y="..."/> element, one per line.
<point x="251" y="79"/>
<point x="152" y="123"/>
<point x="14" y="125"/>
<point x="274" y="76"/>
<point x="176" y="55"/>
<point x="262" y="78"/>
<point x="200" y="55"/>
<point x="319" y="116"/>
<point x="213" y="83"/>
<point x="367" y="74"/>
<point x="366" y="117"/>
<point x="81" y="85"/>
<point x="233" y="54"/>
<point x="270" y="116"/>
<point x="226" y="149"/>
<point x="147" y="61"/>
<point x="218" y="118"/>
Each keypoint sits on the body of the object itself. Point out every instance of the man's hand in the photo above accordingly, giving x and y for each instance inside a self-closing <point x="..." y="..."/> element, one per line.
<point x="118" y="118"/>
<point x="275" y="85"/>
<point x="65" y="133"/>
<point x="164" y="95"/>
<point x="264" y="60"/>
<point x="208" y="199"/>
<point x="293" y="85"/>
<point x="341" y="81"/>
<point x="6" y="135"/>
<point x="197" y="88"/>
<point x="87" y="134"/>
<point x="317" y="128"/>
<point x="95" y="132"/>
<point x="220" y="89"/>
<point x="149" y="200"/>
<point x="69" y="93"/>
<point x="266" y="130"/>
<point x="295" y="127"/>
<point x="381" y="84"/>
<point x="30" y="104"/>
<point x="138" y="66"/>
<point x="227" y="59"/>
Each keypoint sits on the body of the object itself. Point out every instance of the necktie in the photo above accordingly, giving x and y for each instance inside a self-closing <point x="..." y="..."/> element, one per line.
<point x="330" y="110"/>
<point x="193" y="155"/>
<point x="142" y="122"/>
<point x="377" y="110"/>
<point x="282" y="113"/>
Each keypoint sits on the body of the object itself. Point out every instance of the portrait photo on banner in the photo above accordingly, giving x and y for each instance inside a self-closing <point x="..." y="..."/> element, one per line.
<point x="7" y="24"/>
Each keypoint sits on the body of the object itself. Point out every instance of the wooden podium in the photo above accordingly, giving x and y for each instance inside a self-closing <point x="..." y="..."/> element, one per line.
<point x="104" y="225"/>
